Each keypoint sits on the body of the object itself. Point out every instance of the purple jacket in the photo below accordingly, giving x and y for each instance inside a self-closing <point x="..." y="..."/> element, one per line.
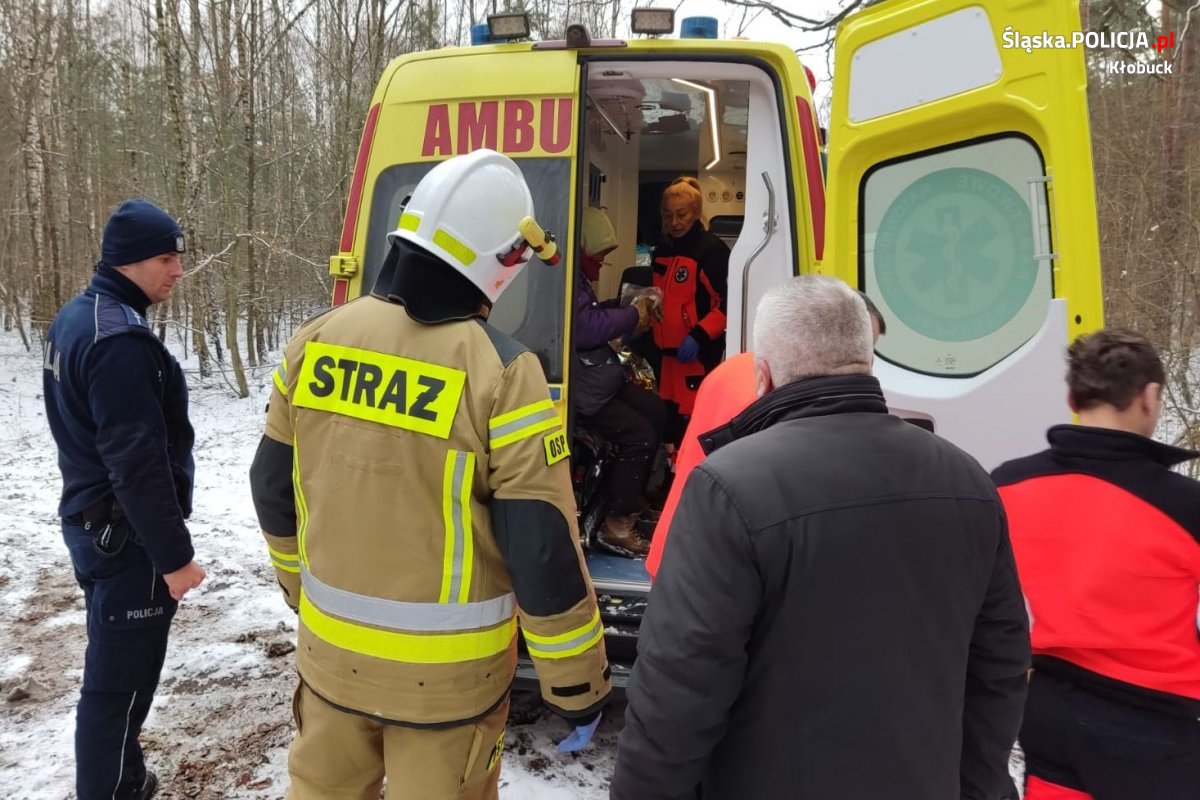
<point x="597" y="323"/>
<point x="597" y="375"/>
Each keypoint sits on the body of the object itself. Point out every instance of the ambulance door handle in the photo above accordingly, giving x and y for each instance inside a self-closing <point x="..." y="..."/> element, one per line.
<point x="1035" y="215"/>
<point x="770" y="224"/>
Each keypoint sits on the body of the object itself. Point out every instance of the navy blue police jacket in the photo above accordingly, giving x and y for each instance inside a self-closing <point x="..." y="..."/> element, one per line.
<point x="117" y="405"/>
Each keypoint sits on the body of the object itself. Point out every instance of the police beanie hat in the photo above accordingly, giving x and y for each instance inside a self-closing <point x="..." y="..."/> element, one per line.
<point x="138" y="230"/>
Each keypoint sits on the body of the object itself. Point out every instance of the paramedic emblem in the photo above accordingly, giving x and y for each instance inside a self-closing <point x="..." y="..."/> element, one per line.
<point x="681" y="274"/>
<point x="954" y="254"/>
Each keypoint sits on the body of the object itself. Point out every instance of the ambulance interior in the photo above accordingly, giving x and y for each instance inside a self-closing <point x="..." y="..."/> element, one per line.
<point x="642" y="133"/>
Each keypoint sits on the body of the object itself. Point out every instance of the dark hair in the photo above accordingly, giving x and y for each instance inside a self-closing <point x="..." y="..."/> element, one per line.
<point x="873" y="310"/>
<point x="1111" y="367"/>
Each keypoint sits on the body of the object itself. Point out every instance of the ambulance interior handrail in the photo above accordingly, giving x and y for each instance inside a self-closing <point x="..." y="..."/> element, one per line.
<point x="770" y="224"/>
<point x="604" y="115"/>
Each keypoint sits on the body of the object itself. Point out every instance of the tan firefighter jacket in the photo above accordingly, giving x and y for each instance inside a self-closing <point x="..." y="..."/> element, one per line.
<point x="414" y="492"/>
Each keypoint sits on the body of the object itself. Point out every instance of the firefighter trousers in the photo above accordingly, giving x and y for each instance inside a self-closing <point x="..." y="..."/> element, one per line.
<point x="340" y="755"/>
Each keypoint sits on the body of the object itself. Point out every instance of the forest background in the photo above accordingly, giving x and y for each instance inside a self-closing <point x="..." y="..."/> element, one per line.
<point x="242" y="117"/>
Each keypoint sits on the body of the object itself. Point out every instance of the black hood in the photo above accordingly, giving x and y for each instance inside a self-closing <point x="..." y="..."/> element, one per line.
<point x="431" y="290"/>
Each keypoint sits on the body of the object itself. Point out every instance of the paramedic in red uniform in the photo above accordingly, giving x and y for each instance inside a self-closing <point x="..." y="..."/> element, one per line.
<point x="690" y="267"/>
<point x="1107" y="541"/>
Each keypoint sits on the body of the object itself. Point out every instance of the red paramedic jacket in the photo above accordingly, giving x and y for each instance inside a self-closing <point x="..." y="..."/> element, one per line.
<point x="692" y="272"/>
<point x="1107" y="542"/>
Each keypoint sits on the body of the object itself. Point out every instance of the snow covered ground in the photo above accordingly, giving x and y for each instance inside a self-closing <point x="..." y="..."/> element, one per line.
<point x="221" y="722"/>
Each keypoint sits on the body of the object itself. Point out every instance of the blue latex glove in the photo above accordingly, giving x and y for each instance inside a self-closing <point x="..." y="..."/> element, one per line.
<point x="687" y="351"/>
<point x="579" y="738"/>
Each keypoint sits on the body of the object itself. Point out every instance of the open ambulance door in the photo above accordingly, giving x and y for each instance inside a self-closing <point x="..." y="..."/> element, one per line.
<point x="962" y="201"/>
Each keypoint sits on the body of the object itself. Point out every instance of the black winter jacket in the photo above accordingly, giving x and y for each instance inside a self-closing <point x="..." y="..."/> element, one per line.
<point x="837" y="615"/>
<point x="117" y="404"/>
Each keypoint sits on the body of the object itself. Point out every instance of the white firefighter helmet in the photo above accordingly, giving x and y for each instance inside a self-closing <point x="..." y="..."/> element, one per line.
<point x="467" y="212"/>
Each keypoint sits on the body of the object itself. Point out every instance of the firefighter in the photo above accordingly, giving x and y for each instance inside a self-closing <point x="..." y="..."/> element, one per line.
<point x="414" y="491"/>
<point x="691" y="268"/>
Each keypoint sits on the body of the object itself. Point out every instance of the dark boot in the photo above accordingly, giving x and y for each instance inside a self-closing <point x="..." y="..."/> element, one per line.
<point x="619" y="534"/>
<point x="149" y="787"/>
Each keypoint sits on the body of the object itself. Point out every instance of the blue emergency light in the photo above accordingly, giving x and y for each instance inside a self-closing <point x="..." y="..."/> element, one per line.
<point x="698" y="28"/>
<point x="480" y="34"/>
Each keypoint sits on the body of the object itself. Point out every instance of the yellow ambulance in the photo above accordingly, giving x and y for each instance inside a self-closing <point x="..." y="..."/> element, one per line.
<point x="958" y="193"/>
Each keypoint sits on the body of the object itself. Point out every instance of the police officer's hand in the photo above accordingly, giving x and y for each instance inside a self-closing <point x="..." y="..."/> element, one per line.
<point x="184" y="579"/>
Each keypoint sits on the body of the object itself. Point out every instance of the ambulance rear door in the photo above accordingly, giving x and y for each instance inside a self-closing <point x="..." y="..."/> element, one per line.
<point x="961" y="199"/>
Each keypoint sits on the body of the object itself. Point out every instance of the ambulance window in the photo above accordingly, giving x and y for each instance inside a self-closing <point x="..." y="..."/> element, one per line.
<point x="531" y="309"/>
<point x="948" y="255"/>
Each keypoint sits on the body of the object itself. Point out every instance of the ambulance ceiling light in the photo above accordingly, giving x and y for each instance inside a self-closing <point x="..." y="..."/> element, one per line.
<point x="711" y="95"/>
<point x="653" y="21"/>
<point x="508" y="26"/>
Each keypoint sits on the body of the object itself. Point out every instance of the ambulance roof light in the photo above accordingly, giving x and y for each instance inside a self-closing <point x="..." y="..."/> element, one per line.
<point x="698" y="28"/>
<point x="480" y="34"/>
<point x="508" y="26"/>
<point x="653" y="21"/>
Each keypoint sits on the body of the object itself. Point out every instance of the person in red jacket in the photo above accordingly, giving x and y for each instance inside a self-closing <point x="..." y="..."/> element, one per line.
<point x="724" y="394"/>
<point x="1107" y="542"/>
<point x="691" y="268"/>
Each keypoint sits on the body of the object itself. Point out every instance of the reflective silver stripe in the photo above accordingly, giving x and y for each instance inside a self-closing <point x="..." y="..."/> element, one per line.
<point x="456" y="520"/>
<point x="290" y="564"/>
<point x="402" y="615"/>
<point x="524" y="422"/>
<point x="592" y="632"/>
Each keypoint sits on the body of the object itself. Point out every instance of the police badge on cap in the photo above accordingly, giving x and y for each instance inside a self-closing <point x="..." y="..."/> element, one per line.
<point x="139" y="230"/>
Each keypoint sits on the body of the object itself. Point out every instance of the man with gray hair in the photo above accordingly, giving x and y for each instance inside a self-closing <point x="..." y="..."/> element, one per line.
<point x="841" y="617"/>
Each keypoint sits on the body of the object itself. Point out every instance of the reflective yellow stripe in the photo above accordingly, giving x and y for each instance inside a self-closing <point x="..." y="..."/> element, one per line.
<point x="445" y="240"/>
<point x="458" y="559"/>
<point x="526" y="421"/>
<point x="409" y="221"/>
<point x="430" y="648"/>
<point x="288" y="562"/>
<point x="280" y="378"/>
<point x="301" y="505"/>
<point x="566" y="644"/>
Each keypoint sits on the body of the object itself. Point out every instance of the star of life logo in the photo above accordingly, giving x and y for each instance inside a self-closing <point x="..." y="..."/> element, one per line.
<point x="1131" y="43"/>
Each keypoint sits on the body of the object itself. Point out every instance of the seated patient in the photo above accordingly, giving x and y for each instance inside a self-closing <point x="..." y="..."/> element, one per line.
<point x="628" y="416"/>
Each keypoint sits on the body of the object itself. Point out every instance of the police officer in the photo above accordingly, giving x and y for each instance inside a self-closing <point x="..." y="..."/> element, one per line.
<point x="414" y="490"/>
<point x="116" y="401"/>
